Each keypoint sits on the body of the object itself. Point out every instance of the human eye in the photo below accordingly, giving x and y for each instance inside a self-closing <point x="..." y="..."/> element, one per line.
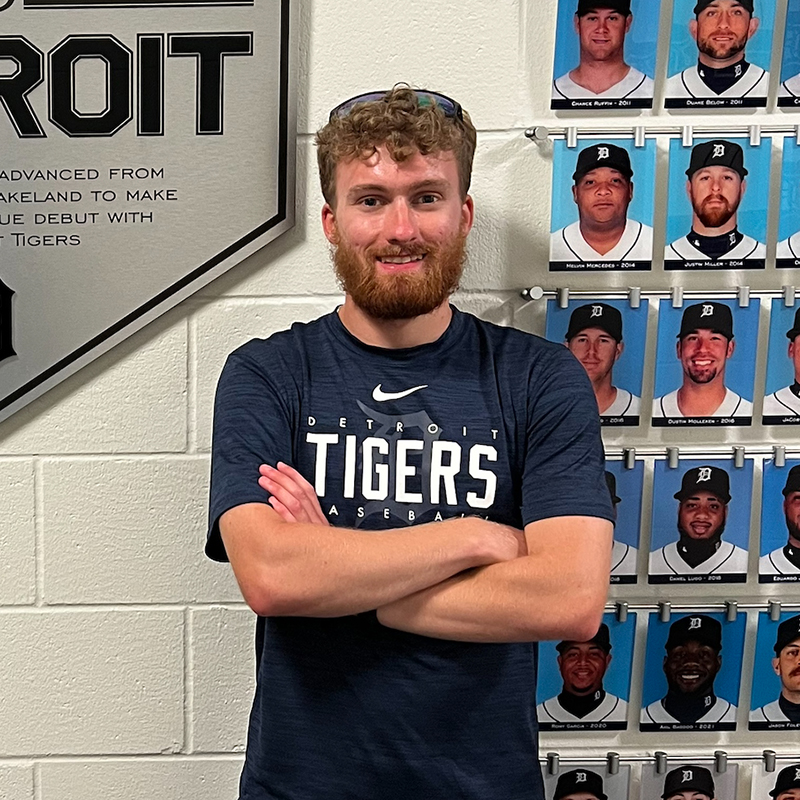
<point x="369" y="201"/>
<point x="428" y="198"/>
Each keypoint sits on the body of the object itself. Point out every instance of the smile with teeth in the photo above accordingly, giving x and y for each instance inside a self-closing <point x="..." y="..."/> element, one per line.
<point x="400" y="259"/>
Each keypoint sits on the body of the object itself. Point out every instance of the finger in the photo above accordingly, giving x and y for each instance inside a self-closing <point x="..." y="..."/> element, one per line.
<point x="283" y="512"/>
<point x="309" y="495"/>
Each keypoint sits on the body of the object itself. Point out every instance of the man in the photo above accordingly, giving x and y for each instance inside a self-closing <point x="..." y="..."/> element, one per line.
<point x="788" y="250"/>
<point x="602" y="74"/>
<point x="623" y="555"/>
<point x="702" y="513"/>
<point x="789" y="91"/>
<point x="579" y="784"/>
<point x="594" y="337"/>
<point x="583" y="700"/>
<point x="715" y="185"/>
<point x="400" y="664"/>
<point x="786" y="708"/>
<point x="786" y="560"/>
<point x="690" y="666"/>
<point x="603" y="234"/>
<point x="705" y="343"/>
<point x="722" y="76"/>
<point x="787" y="786"/>
<point x="786" y="401"/>
<point x="687" y="782"/>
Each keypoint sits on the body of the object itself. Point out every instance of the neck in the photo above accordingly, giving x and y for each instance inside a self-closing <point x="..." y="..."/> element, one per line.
<point x="603" y="239"/>
<point x="790" y="696"/>
<point x="701" y="400"/>
<point x="720" y="63"/>
<point x="698" y="227"/>
<point x="605" y="393"/>
<point x="794" y="542"/>
<point x="597" y="76"/>
<point x="394" y="334"/>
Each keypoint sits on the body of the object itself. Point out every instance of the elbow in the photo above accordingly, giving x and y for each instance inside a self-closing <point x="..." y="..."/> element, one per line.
<point x="584" y="616"/>
<point x="267" y="599"/>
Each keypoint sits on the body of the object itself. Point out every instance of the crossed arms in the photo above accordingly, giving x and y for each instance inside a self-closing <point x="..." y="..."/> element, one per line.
<point x="463" y="579"/>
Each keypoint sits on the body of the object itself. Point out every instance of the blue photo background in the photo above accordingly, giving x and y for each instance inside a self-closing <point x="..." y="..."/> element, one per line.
<point x="617" y="680"/>
<point x="683" y="48"/>
<point x="643" y="163"/>
<point x="791" y="42"/>
<point x="789" y="222"/>
<point x="629" y="509"/>
<point x="667" y="481"/>
<point x="628" y="370"/>
<point x="766" y="684"/>
<point x="780" y="369"/>
<point x="641" y="41"/>
<point x="727" y="682"/>
<point x="752" y="213"/>
<point x="774" y="533"/>
<point x="741" y="366"/>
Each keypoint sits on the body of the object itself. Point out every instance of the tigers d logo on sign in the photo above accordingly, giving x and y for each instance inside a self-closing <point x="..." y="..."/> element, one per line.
<point x="147" y="147"/>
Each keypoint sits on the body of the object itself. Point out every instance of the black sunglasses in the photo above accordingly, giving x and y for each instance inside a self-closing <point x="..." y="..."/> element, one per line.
<point x="449" y="107"/>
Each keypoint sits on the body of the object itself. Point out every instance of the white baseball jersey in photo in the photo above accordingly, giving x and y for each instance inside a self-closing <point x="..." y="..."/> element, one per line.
<point x="727" y="560"/>
<point x="776" y="563"/>
<point x="688" y="84"/>
<point x="683" y="250"/>
<point x="625" y="405"/>
<point x="732" y="406"/>
<point x="769" y="713"/>
<point x="721" y="711"/>
<point x="635" y="85"/>
<point x="789" y="248"/>
<point x="623" y="558"/>
<point x="635" y="244"/>
<point x="790" y="87"/>
<point x="612" y="709"/>
<point x="783" y="403"/>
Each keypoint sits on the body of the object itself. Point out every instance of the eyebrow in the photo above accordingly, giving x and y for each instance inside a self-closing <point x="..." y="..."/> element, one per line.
<point x="379" y="188"/>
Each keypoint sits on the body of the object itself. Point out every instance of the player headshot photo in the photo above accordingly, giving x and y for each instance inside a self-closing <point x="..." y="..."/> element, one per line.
<point x="591" y="68"/>
<point x="689" y="782"/>
<point x="705" y="358"/>
<point x="700" y="553"/>
<point x="586" y="684"/>
<point x="780" y="524"/>
<point x="787" y="254"/>
<point x="789" y="89"/>
<point x="625" y="489"/>
<point x="782" y="709"/>
<point x="694" y="698"/>
<point x="719" y="59"/>
<point x="787" y="785"/>
<point x="587" y="783"/>
<point x="606" y="234"/>
<point x="782" y="398"/>
<point x="608" y="339"/>
<point x="715" y="186"/>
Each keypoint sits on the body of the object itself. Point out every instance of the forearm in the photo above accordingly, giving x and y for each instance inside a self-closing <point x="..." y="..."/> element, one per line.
<point x="552" y="593"/>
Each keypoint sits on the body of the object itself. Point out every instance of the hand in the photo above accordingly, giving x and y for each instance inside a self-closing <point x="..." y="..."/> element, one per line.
<point x="293" y="497"/>
<point x="513" y="542"/>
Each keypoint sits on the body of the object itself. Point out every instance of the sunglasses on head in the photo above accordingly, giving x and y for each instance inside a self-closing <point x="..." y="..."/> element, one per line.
<point x="449" y="107"/>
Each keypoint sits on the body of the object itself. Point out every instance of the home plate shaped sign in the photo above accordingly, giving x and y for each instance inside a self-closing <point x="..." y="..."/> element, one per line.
<point x="146" y="146"/>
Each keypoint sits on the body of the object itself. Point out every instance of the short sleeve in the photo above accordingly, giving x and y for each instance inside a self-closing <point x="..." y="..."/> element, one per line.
<point x="564" y="460"/>
<point x="253" y="422"/>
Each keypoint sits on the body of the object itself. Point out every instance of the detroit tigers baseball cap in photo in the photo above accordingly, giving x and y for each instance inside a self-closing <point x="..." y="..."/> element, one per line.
<point x="788" y="778"/>
<point x="595" y="315"/>
<point x="705" y="479"/>
<point x="602" y="639"/>
<point x="604" y="154"/>
<point x="585" y="6"/>
<point x="710" y="316"/>
<point x="792" y="481"/>
<point x="788" y="632"/>
<point x="695" y="628"/>
<point x="689" y="778"/>
<point x="703" y="4"/>
<point x="579" y="780"/>
<point x="795" y="329"/>
<point x="717" y="153"/>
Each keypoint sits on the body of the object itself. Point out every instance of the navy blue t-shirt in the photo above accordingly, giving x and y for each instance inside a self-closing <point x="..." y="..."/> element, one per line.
<point x="485" y="421"/>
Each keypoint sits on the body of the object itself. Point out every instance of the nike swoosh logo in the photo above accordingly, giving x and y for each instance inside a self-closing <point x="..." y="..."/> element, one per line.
<point x="380" y="396"/>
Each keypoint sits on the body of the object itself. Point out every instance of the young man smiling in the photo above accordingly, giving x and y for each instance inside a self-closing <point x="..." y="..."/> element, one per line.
<point x="395" y="484"/>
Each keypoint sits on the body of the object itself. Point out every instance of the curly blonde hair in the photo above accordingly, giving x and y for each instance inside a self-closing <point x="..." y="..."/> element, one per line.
<point x="405" y="127"/>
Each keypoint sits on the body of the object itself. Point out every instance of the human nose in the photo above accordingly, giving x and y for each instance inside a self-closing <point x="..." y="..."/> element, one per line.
<point x="400" y="223"/>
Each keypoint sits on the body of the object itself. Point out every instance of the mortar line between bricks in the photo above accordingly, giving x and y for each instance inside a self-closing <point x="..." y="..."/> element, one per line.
<point x="79" y="608"/>
<point x="188" y="682"/>
<point x="157" y="458"/>
<point x="191" y="384"/>
<point x="36" y="776"/>
<point x="38" y="527"/>
<point x="38" y="760"/>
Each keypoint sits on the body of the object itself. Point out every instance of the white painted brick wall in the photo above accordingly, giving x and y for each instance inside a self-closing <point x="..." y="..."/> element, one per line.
<point x="127" y="658"/>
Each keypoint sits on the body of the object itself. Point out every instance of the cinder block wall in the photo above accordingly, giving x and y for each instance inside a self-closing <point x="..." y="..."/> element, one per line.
<point x="126" y="658"/>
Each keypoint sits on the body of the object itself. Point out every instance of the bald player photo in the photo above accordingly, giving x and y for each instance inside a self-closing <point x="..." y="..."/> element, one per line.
<point x="603" y="237"/>
<point x="783" y="405"/>
<point x="691" y="665"/>
<point x="783" y="713"/>
<point x="602" y="78"/>
<point x="700" y="554"/>
<point x="689" y="782"/>
<point x="715" y="187"/>
<point x="782" y="565"/>
<point x="722" y="77"/>
<point x="583" y="703"/>
<point x="623" y="554"/>
<point x="594" y="337"/>
<point x="705" y="344"/>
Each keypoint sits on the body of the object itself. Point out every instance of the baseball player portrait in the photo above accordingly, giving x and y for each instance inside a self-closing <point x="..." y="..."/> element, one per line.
<point x="579" y="784"/>
<point x="715" y="186"/>
<point x="624" y="554"/>
<point x="787" y="784"/>
<point x="692" y="662"/>
<point x="789" y="89"/>
<point x="784" y="712"/>
<point x="722" y="76"/>
<point x="781" y="564"/>
<point x="783" y="405"/>
<point x="705" y="344"/>
<point x="687" y="782"/>
<point x="603" y="236"/>
<point x="583" y="703"/>
<point x="787" y="254"/>
<point x="602" y="78"/>
<point x="699" y="554"/>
